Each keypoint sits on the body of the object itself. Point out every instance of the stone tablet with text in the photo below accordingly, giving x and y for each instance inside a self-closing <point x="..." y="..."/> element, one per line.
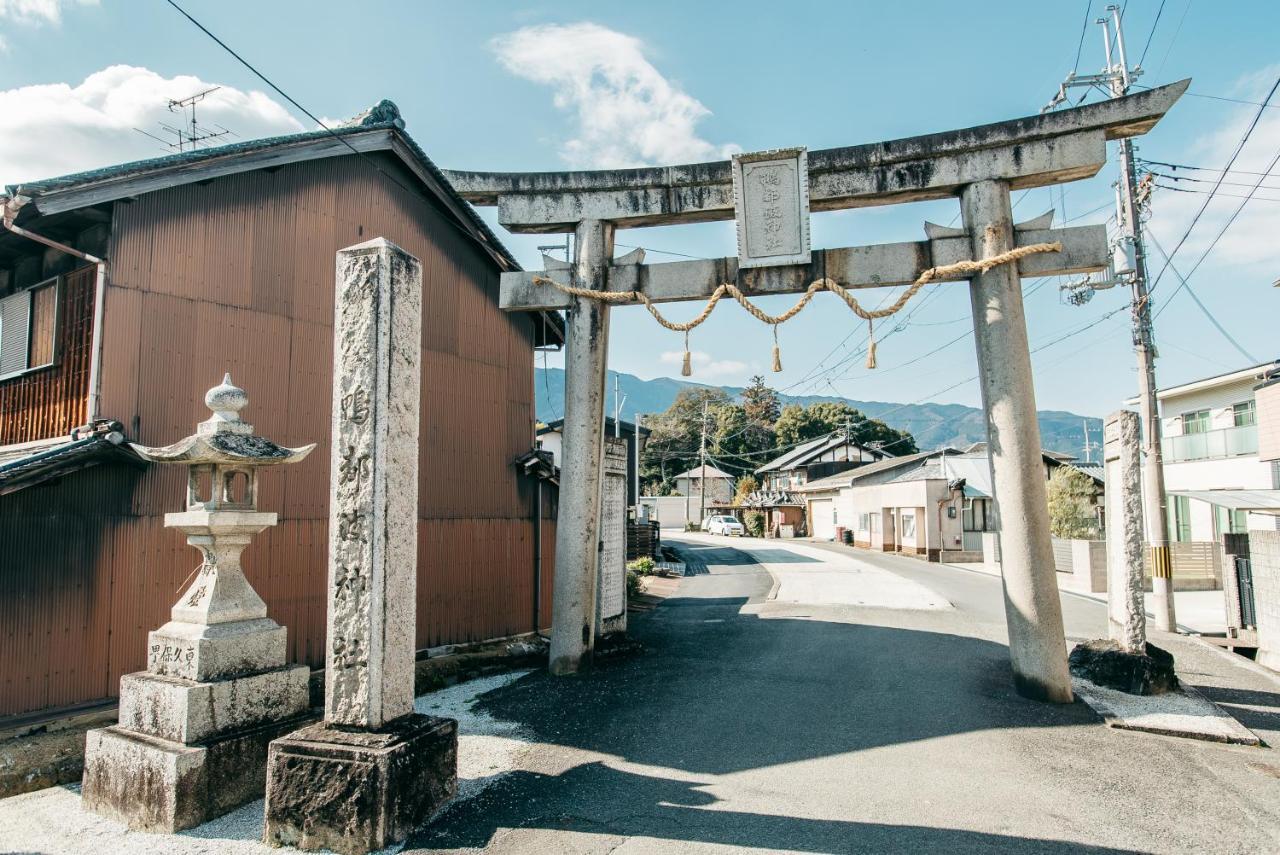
<point x="771" y="197"/>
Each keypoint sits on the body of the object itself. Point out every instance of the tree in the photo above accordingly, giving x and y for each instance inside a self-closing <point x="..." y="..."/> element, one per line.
<point x="798" y="424"/>
<point x="675" y="437"/>
<point x="760" y="402"/>
<point x="1072" y="504"/>
<point x="747" y="485"/>
<point x="738" y="442"/>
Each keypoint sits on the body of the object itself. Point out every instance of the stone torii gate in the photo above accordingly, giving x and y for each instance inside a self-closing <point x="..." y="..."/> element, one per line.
<point x="979" y="165"/>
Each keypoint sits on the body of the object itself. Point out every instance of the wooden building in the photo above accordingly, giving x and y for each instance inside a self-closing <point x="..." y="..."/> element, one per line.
<point x="218" y="260"/>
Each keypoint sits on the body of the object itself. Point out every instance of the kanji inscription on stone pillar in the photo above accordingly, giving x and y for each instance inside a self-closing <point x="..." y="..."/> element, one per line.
<point x="373" y="520"/>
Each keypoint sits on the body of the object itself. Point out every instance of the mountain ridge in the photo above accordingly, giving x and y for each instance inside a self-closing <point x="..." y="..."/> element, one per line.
<point x="932" y="424"/>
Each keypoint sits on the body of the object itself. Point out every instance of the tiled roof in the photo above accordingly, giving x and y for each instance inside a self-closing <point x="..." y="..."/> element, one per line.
<point x="844" y="479"/>
<point x="712" y="472"/>
<point x="802" y="454"/>
<point x="185" y="167"/>
<point x="103" y="442"/>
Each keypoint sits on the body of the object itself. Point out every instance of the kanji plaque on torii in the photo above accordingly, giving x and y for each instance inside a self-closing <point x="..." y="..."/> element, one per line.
<point x="977" y="166"/>
<point x="771" y="201"/>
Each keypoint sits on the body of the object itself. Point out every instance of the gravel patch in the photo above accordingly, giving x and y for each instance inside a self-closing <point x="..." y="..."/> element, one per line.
<point x="1185" y="713"/>
<point x="52" y="821"/>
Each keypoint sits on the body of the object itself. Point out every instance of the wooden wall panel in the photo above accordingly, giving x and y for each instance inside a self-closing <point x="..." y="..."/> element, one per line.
<point x="238" y="274"/>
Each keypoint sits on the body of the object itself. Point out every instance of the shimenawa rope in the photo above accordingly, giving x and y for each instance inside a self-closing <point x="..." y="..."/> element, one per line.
<point x="824" y="284"/>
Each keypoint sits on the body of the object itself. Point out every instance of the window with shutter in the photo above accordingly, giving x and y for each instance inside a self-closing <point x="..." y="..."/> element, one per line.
<point x="28" y="329"/>
<point x="15" y="324"/>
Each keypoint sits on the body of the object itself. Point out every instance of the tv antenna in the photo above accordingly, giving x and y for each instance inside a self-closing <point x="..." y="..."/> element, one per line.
<point x="191" y="134"/>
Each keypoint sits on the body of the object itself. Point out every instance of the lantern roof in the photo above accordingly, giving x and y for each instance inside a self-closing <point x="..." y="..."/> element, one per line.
<point x="224" y="438"/>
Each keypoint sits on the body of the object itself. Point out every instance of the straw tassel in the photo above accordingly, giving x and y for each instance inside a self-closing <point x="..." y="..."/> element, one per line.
<point x="686" y="370"/>
<point x="871" y="343"/>
<point x="777" y="354"/>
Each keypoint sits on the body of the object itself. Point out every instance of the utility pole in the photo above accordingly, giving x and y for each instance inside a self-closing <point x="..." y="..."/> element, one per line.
<point x="636" y="447"/>
<point x="702" y="482"/>
<point x="618" y="401"/>
<point x="1088" y="444"/>
<point x="1131" y="268"/>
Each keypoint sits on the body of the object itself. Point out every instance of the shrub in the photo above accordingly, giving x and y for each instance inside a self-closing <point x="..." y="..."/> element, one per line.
<point x="754" y="523"/>
<point x="643" y="565"/>
<point x="635" y="584"/>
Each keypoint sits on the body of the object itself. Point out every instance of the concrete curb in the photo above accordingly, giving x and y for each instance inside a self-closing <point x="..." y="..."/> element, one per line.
<point x="1186" y="713"/>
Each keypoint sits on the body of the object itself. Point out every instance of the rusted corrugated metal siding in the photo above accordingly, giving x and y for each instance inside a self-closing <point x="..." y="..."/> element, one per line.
<point x="50" y="402"/>
<point x="238" y="275"/>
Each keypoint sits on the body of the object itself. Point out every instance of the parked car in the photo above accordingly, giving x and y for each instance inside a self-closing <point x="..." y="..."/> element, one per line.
<point x="706" y="523"/>
<point x="726" y="525"/>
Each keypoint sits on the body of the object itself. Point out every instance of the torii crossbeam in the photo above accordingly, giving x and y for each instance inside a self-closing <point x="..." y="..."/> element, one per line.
<point x="979" y="166"/>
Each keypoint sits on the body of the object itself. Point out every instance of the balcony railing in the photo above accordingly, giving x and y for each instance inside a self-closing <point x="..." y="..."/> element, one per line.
<point x="1227" y="442"/>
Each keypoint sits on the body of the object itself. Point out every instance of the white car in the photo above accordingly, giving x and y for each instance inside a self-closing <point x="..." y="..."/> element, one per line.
<point x="725" y="525"/>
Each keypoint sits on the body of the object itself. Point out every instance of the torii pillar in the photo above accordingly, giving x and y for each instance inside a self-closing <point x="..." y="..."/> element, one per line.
<point x="1033" y="610"/>
<point x="573" y="615"/>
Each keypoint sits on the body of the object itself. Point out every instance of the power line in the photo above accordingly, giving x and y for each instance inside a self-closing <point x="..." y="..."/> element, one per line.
<point x="1151" y="34"/>
<point x="1222" y="195"/>
<point x="1174" y="40"/>
<point x="1183" y="283"/>
<point x="1208" y="181"/>
<point x="339" y="137"/>
<point x="1146" y="162"/>
<point x="1084" y="28"/>
<point x="661" y="251"/>
<point x="1239" y="147"/>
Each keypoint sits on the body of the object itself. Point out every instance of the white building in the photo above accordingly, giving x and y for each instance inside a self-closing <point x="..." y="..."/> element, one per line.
<point x="1212" y="471"/>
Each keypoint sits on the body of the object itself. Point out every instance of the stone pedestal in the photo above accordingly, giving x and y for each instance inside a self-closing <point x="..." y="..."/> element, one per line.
<point x="191" y="742"/>
<point x="354" y="791"/>
<point x="374" y="769"/>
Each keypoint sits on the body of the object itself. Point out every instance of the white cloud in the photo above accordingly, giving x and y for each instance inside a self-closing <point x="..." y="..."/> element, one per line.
<point x="704" y="367"/>
<point x="1250" y="242"/>
<point x="36" y="12"/>
<point x="54" y="129"/>
<point x="627" y="112"/>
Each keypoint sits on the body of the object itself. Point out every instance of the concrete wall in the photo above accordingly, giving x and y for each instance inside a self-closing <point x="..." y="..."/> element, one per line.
<point x="1264" y="547"/>
<point x="673" y="511"/>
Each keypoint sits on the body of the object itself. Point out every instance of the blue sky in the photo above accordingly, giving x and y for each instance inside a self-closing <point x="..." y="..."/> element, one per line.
<point x="546" y="86"/>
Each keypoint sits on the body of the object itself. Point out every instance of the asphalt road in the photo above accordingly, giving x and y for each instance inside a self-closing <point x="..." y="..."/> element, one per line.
<point x="751" y="724"/>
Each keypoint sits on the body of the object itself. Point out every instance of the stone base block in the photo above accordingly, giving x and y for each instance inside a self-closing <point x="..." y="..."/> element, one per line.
<point x="355" y="791"/>
<point x="1104" y="663"/>
<point x="153" y="784"/>
<point x="203" y="653"/>
<point x="189" y="712"/>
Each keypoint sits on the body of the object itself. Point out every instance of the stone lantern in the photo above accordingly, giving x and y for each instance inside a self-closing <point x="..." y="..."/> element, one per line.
<point x="192" y="737"/>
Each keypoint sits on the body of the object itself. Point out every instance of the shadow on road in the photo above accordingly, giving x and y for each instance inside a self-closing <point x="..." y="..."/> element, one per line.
<point x="719" y="692"/>
<point x="663" y="809"/>
<point x="697" y="555"/>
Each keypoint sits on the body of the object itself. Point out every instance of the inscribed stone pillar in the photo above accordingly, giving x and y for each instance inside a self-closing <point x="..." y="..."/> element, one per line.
<point x="611" y="612"/>
<point x="374" y="769"/>
<point x="373" y="495"/>
<point x="1033" y="612"/>
<point x="1122" y="456"/>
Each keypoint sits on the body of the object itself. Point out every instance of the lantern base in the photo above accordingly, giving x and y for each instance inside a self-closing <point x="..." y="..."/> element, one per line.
<point x="217" y="651"/>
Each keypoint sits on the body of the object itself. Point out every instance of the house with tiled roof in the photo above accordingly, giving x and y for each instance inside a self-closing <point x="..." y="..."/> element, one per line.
<point x="127" y="291"/>
<point x="936" y="505"/>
